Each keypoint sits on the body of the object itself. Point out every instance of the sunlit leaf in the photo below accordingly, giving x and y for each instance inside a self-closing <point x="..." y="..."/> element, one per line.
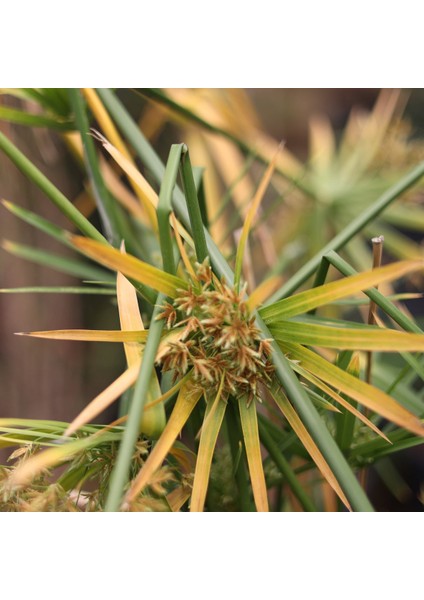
<point x="310" y="299"/>
<point x="130" y="266"/>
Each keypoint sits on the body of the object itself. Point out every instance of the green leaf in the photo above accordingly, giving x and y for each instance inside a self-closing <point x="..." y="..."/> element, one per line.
<point x="12" y="115"/>
<point x="302" y="433"/>
<point x="51" y="191"/>
<point x="77" y="268"/>
<point x="310" y="299"/>
<point x="372" y="338"/>
<point x="354" y="227"/>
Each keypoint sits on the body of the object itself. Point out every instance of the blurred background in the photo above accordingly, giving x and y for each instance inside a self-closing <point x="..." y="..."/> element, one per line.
<point x="54" y="380"/>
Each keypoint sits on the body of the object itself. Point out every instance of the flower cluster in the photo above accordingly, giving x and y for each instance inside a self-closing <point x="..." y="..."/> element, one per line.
<point x="219" y="340"/>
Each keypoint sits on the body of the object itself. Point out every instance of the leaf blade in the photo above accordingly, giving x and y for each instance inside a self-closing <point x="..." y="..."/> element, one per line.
<point x="130" y="266"/>
<point x="249" y="424"/>
<point x="371" y="397"/>
<point x="313" y="298"/>
<point x="186" y="401"/>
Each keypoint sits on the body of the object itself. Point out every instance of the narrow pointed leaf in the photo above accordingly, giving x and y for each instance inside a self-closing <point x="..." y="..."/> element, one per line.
<point x="211" y="426"/>
<point x="371" y="397"/>
<point x="105" y="398"/>
<point x="302" y="433"/>
<point x="327" y="390"/>
<point x="63" y="264"/>
<point x="257" y="199"/>
<point x="130" y="266"/>
<point x="129" y="316"/>
<point x="51" y="457"/>
<point x="87" y="335"/>
<point x="152" y="422"/>
<point x="310" y="299"/>
<point x="12" y="115"/>
<point x="95" y="291"/>
<point x="373" y="338"/>
<point x="249" y="424"/>
<point x="55" y="195"/>
<point x="186" y="401"/>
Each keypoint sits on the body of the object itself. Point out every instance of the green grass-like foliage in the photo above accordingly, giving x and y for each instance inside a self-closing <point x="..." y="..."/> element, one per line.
<point x="256" y="376"/>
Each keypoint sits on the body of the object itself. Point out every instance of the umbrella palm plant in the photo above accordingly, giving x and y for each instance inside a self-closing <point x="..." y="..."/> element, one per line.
<point x="245" y="355"/>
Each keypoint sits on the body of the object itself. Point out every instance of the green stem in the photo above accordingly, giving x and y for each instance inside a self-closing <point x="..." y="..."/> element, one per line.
<point x="120" y="475"/>
<point x="165" y="207"/>
<point x="197" y="227"/>
<point x="316" y="427"/>
<point x="349" y="232"/>
<point x="149" y="158"/>
<point x="235" y="437"/>
<point x="285" y="468"/>
<point x="109" y="212"/>
<point x="63" y="204"/>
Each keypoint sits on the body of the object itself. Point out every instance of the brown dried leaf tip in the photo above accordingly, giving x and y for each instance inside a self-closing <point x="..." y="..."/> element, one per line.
<point x="219" y="339"/>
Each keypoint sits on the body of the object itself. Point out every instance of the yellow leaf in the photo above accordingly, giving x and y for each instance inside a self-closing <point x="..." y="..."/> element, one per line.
<point x="250" y="215"/>
<point x="302" y="433"/>
<point x="249" y="424"/>
<point x="263" y="291"/>
<point x="90" y="335"/>
<point x="152" y="422"/>
<point x="319" y="384"/>
<point x="186" y="401"/>
<point x="105" y="398"/>
<point x="370" y="396"/>
<point x="129" y="266"/>
<point x="347" y="338"/>
<point x="212" y="422"/>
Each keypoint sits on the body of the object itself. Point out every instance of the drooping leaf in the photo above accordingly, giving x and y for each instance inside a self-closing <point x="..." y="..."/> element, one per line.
<point x="302" y="433"/>
<point x="370" y="396"/>
<point x="327" y="390"/>
<point x="105" y="398"/>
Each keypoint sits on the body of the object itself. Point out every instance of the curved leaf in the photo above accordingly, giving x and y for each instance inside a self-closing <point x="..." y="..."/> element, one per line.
<point x="371" y="397"/>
